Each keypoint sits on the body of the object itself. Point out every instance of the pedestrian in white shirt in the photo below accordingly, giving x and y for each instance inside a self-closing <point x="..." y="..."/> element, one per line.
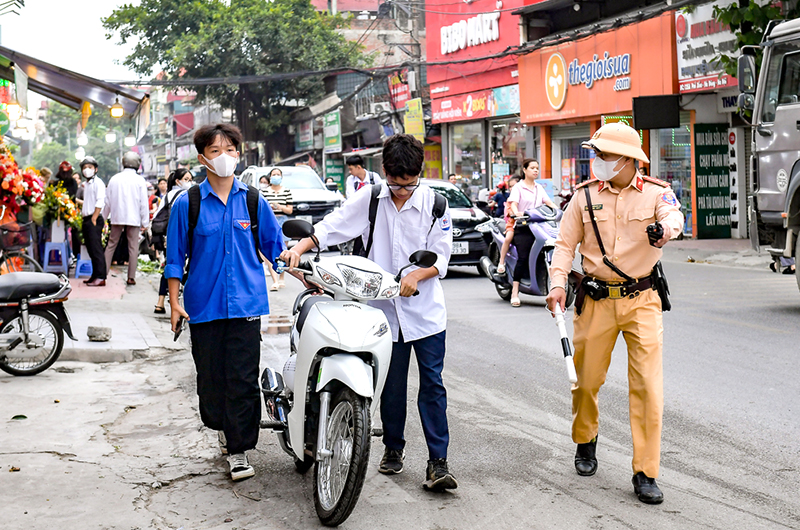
<point x="127" y="210"/>
<point x="404" y="223"/>
<point x="94" y="198"/>
<point x="359" y="176"/>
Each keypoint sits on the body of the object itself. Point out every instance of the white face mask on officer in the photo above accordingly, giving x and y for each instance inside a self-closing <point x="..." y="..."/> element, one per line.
<point x="605" y="169"/>
<point x="223" y="165"/>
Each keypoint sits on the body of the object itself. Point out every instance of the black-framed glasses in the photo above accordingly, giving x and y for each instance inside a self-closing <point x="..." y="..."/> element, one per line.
<point x="398" y="187"/>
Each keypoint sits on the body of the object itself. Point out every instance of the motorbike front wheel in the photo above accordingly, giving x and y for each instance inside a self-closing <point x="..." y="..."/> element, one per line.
<point x="44" y="324"/>
<point x="338" y="479"/>
<point x="504" y="291"/>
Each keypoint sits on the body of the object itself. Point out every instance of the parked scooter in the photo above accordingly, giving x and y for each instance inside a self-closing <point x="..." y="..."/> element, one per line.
<point x="543" y="223"/>
<point x="322" y="404"/>
<point x="33" y="321"/>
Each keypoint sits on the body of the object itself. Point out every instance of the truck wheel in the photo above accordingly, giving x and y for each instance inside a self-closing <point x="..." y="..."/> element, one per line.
<point x="796" y="259"/>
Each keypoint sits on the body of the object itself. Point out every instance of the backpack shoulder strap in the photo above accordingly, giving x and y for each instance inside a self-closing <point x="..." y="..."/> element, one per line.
<point x="373" y="214"/>
<point x="372" y="177"/>
<point x="253" y="196"/>
<point x="194" y="214"/>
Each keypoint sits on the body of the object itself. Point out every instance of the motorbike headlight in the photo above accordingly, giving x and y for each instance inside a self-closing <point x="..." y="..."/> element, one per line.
<point x="327" y="277"/>
<point x="360" y="284"/>
<point x="484" y="227"/>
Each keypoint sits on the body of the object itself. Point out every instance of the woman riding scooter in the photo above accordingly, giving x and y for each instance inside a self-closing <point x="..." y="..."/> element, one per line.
<point x="526" y="195"/>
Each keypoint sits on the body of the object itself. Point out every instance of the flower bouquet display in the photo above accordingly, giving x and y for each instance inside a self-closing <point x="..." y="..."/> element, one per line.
<point x="59" y="207"/>
<point x="18" y="189"/>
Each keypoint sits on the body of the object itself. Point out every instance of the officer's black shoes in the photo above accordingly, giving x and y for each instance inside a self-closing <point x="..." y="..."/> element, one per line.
<point x="647" y="489"/>
<point x="585" y="459"/>
<point x="392" y="462"/>
<point x="438" y="477"/>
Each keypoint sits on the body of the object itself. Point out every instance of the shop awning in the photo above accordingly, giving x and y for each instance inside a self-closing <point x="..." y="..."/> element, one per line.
<point x="67" y="87"/>
<point x="292" y="158"/>
<point x="364" y="152"/>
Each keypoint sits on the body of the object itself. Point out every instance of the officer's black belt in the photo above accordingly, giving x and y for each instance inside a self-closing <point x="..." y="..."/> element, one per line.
<point x="618" y="290"/>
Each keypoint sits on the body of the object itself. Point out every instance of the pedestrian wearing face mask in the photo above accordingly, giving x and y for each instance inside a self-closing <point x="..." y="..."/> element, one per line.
<point x="280" y="200"/>
<point x="128" y="211"/>
<point x="178" y="182"/>
<point x="94" y="199"/>
<point x="621" y="262"/>
<point x="221" y="226"/>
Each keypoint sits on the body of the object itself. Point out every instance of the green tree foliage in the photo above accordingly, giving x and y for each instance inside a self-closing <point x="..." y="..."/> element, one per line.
<point x="50" y="156"/>
<point x="749" y="24"/>
<point x="216" y="38"/>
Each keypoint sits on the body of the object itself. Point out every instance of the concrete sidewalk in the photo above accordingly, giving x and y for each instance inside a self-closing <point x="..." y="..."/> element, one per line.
<point x="729" y="252"/>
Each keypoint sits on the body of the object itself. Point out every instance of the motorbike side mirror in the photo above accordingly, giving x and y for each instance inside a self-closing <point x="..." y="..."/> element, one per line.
<point x="423" y="259"/>
<point x="297" y="229"/>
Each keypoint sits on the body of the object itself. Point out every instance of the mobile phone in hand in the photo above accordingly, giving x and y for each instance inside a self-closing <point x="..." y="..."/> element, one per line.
<point x="181" y="323"/>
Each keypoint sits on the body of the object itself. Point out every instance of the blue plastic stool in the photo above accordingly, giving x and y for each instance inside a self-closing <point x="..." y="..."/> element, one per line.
<point x="83" y="268"/>
<point x="56" y="258"/>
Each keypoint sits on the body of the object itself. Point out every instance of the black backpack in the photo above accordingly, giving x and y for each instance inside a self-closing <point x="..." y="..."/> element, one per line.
<point x="195" y="197"/>
<point x="439" y="207"/>
<point x="160" y="222"/>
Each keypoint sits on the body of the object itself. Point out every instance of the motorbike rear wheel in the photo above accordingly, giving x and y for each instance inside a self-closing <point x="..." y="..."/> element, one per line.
<point x="40" y="322"/>
<point x="338" y="479"/>
<point x="18" y="261"/>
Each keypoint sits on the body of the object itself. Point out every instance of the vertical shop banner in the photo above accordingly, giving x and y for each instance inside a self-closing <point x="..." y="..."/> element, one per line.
<point x="334" y="168"/>
<point x="712" y="186"/>
<point x="500" y="173"/>
<point x="413" y="121"/>
<point x="433" y="162"/>
<point x="737" y="163"/>
<point x="304" y="138"/>
<point x="399" y="91"/>
<point x="333" y="133"/>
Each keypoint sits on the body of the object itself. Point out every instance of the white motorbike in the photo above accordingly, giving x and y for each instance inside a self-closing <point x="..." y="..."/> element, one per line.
<point x="322" y="403"/>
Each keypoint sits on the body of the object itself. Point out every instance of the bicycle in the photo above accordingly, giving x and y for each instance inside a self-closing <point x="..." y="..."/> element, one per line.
<point x="14" y="239"/>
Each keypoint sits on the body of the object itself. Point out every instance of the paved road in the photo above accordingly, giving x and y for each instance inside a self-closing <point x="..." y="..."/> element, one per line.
<point x="123" y="446"/>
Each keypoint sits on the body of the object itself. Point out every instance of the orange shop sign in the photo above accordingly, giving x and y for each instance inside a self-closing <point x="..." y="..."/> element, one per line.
<point x="599" y="74"/>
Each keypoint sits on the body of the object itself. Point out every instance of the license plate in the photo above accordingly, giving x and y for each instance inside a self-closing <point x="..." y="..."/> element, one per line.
<point x="306" y="218"/>
<point x="460" y="247"/>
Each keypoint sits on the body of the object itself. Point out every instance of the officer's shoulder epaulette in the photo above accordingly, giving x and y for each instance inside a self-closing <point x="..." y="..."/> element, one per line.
<point x="586" y="183"/>
<point x="654" y="180"/>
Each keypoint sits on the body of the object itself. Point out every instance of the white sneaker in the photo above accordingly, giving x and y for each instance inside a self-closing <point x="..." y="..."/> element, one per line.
<point x="240" y="468"/>
<point x="223" y="443"/>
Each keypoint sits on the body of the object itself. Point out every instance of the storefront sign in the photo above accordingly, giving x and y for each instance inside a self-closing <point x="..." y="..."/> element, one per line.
<point x="700" y="39"/>
<point x="433" y="162"/>
<point x="304" y="138"/>
<point x="399" y="91"/>
<point x="413" y="121"/>
<point x="736" y="167"/>
<point x="506" y="100"/>
<point x="333" y="133"/>
<point x="727" y="101"/>
<point x="599" y="74"/>
<point x="712" y="187"/>
<point x="334" y="168"/>
<point x="470" y="32"/>
<point x="463" y="107"/>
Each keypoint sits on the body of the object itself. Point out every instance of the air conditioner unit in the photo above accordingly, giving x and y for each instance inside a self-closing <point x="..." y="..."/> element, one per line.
<point x="382" y="106"/>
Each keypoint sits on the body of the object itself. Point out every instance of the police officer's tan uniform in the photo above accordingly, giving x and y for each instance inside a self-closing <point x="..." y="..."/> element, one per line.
<point x="622" y="217"/>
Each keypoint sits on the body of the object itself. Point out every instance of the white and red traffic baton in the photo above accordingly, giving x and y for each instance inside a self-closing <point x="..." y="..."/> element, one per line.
<point x="565" y="346"/>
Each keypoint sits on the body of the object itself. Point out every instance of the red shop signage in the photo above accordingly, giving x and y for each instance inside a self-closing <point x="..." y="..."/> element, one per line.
<point x="474" y="106"/>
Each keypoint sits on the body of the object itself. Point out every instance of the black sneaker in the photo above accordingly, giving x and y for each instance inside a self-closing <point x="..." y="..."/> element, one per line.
<point x="392" y="461"/>
<point x="439" y="478"/>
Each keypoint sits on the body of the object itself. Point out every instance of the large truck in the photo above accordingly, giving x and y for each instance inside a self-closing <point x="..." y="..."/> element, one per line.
<point x="773" y="97"/>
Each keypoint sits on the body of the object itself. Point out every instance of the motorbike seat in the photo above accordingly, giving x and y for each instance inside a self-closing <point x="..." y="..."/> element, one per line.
<point x="305" y="309"/>
<point x="16" y="286"/>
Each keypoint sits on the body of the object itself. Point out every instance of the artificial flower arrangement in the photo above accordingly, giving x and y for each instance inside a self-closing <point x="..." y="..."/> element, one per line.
<point x="18" y="188"/>
<point x="58" y="205"/>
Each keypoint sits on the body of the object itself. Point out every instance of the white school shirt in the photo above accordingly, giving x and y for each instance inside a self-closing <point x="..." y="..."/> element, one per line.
<point x="94" y="196"/>
<point x="397" y="235"/>
<point x="351" y="185"/>
<point x="126" y="200"/>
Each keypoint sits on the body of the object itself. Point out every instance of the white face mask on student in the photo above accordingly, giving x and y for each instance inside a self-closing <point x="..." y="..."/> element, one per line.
<point x="184" y="185"/>
<point x="604" y="169"/>
<point x="223" y="165"/>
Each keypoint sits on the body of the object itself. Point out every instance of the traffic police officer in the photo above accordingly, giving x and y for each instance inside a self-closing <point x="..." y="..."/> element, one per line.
<point x="623" y="204"/>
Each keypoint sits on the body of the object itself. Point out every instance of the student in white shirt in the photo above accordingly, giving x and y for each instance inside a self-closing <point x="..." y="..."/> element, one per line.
<point x="359" y="176"/>
<point x="404" y="224"/>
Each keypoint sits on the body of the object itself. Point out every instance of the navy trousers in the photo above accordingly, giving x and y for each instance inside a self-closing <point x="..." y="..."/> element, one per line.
<point x="432" y="399"/>
<point x="226" y="355"/>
